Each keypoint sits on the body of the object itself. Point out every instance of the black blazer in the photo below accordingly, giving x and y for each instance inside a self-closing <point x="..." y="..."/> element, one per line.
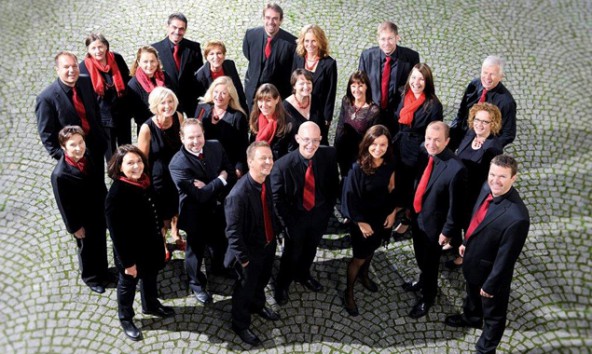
<point x="444" y="197"/>
<point x="204" y="80"/>
<point x="135" y="227"/>
<point x="275" y="70"/>
<point x="232" y="131"/>
<point x="493" y="248"/>
<point x="499" y="96"/>
<point x="182" y="81"/>
<point x="54" y="110"/>
<point x="324" y="83"/>
<point x="287" y="184"/>
<point x="185" y="168"/>
<point x="138" y="100"/>
<point x="315" y="115"/>
<point x="80" y="196"/>
<point x="371" y="61"/>
<point x="245" y="227"/>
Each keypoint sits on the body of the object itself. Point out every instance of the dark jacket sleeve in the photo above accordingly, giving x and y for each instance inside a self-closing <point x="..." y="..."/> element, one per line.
<point x="116" y="214"/>
<point x="236" y="226"/>
<point x="351" y="198"/>
<point x="47" y="125"/>
<point x="68" y="202"/>
<point x="456" y="191"/>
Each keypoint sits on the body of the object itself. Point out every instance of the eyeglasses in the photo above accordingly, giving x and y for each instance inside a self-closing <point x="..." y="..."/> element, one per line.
<point x="484" y="122"/>
<point x="307" y="141"/>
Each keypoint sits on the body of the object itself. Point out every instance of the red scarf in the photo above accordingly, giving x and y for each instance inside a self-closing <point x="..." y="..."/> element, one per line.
<point x="266" y="128"/>
<point x="81" y="164"/>
<point x="143" y="182"/>
<point x="95" y="68"/>
<point x="410" y="105"/>
<point x="145" y="81"/>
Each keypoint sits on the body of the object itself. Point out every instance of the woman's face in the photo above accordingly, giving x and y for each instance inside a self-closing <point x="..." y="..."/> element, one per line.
<point x="482" y="123"/>
<point x="302" y="87"/>
<point x="132" y="166"/>
<point x="75" y="147"/>
<point x="416" y="82"/>
<point x="378" y="147"/>
<point x="97" y="50"/>
<point x="267" y="105"/>
<point x="215" y="58"/>
<point x="221" y="96"/>
<point x="148" y="63"/>
<point x="310" y="43"/>
<point x="358" y="90"/>
<point x="166" y="107"/>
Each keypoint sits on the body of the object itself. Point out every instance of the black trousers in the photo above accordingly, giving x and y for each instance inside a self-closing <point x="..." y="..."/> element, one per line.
<point x="493" y="313"/>
<point x="126" y="291"/>
<point x="300" y="247"/>
<point x="249" y="290"/>
<point x="427" y="255"/>
<point x="92" y="255"/>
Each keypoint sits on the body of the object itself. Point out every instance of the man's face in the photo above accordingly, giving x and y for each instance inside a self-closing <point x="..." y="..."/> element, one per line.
<point x="68" y="70"/>
<point x="272" y="22"/>
<point x="387" y="41"/>
<point x="308" y="139"/>
<point x="490" y="76"/>
<point x="193" y="138"/>
<point x="176" y="30"/>
<point x="261" y="163"/>
<point x="500" y="179"/>
<point x="435" y="140"/>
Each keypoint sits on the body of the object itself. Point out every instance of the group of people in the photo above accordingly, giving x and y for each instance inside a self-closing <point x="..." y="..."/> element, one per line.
<point x="266" y="169"/>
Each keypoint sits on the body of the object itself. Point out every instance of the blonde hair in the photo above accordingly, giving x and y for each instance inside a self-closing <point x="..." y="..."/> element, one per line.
<point x="160" y="94"/>
<point x="320" y="36"/>
<point x="208" y="97"/>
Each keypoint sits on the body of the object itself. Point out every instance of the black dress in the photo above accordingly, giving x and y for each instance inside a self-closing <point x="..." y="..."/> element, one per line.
<point x="163" y="145"/>
<point x="316" y="115"/>
<point x="366" y="198"/>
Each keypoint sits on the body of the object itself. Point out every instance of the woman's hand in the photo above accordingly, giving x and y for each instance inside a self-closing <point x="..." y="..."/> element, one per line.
<point x="390" y="220"/>
<point x="366" y="229"/>
<point x="131" y="271"/>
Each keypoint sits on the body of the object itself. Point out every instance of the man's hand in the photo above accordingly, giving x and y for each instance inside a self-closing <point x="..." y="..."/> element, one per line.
<point x="80" y="233"/>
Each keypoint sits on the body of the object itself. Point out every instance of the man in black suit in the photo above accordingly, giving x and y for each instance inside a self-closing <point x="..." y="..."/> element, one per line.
<point x="270" y="51"/>
<point x="491" y="247"/>
<point x="398" y="61"/>
<point x="487" y="88"/>
<point x="303" y="218"/>
<point x="251" y="228"/>
<point x="181" y="58"/>
<point x="203" y="175"/>
<point x="438" y="206"/>
<point x="70" y="100"/>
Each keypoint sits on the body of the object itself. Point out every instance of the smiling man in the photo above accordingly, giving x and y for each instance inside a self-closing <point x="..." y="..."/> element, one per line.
<point x="270" y="51"/>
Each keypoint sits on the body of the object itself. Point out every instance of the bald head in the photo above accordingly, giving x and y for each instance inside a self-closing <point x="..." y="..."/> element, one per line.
<point x="308" y="139"/>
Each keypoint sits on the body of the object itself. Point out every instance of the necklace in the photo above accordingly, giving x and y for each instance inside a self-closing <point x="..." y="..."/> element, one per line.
<point x="165" y="124"/>
<point x="314" y="62"/>
<point x="356" y="110"/>
<point x="300" y="104"/>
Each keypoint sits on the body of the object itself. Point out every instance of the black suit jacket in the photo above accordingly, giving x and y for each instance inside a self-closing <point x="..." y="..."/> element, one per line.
<point x="499" y="96"/>
<point x="185" y="168"/>
<point x="493" y="248"/>
<point x="287" y="184"/>
<point x="245" y="227"/>
<point x="54" y="110"/>
<point x="444" y="197"/>
<point x="182" y="81"/>
<point x="138" y="99"/>
<point x="371" y="61"/>
<point x="275" y="70"/>
<point x="204" y="80"/>
<point x="324" y="83"/>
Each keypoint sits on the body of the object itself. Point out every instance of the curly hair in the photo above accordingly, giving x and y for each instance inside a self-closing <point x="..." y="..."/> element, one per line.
<point x="494" y="114"/>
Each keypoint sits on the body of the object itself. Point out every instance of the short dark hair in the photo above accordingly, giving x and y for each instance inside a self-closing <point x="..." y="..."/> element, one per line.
<point x="299" y="72"/>
<point x="359" y="76"/>
<point x="275" y="7"/>
<point x="506" y="161"/>
<point x="254" y="145"/>
<point x="67" y="132"/>
<point x="114" y="168"/>
<point x="96" y="37"/>
<point x="177" y="16"/>
<point x="364" y="157"/>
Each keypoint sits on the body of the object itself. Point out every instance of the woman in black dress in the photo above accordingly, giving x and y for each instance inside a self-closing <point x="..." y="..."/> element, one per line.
<point x="358" y="113"/>
<point x="368" y="200"/>
<point x="301" y="106"/>
<point x="225" y="120"/>
<point x="136" y="231"/>
<point x="312" y="54"/>
<point x="159" y="139"/>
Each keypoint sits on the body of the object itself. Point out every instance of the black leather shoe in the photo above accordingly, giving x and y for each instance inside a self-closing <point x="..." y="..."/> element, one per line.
<point x="312" y="284"/>
<point x="99" y="289"/>
<point x="451" y="265"/>
<point x="131" y="331"/>
<point x="161" y="311"/>
<point x="412" y="286"/>
<point x="203" y="296"/>
<point x="369" y="284"/>
<point x="281" y="296"/>
<point x="420" y="309"/>
<point x="268" y="314"/>
<point x="353" y="311"/>
<point x="247" y="336"/>
<point x="460" y="321"/>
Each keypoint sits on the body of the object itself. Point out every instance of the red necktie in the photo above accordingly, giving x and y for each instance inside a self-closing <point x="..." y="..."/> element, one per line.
<point x="79" y="106"/>
<point x="421" y="187"/>
<point x="384" y="85"/>
<point x="268" y="48"/>
<point x="177" y="56"/>
<point x="479" y="216"/>
<point x="266" y="215"/>
<point x="483" y="94"/>
<point x="201" y="156"/>
<point x="308" y="197"/>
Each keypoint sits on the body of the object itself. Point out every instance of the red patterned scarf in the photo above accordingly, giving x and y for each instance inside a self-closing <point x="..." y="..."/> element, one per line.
<point x="95" y="68"/>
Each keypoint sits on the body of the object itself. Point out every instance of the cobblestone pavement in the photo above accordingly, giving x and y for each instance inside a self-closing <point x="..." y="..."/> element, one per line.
<point x="45" y="308"/>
